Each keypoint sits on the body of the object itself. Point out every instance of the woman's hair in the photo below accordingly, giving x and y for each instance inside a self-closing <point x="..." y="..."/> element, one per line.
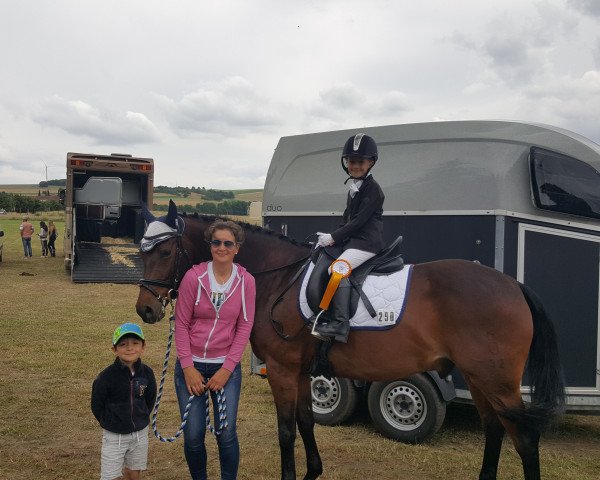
<point x="234" y="228"/>
<point x="50" y="222"/>
<point x="43" y="224"/>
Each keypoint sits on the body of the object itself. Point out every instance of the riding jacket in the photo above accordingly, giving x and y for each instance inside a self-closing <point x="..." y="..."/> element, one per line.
<point x="122" y="402"/>
<point x="202" y="330"/>
<point x="362" y="223"/>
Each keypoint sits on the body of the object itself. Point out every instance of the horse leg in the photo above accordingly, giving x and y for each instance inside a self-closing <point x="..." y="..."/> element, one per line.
<point x="284" y="386"/>
<point x="507" y="413"/>
<point x="306" y="426"/>
<point x="525" y="435"/>
<point x="494" y="433"/>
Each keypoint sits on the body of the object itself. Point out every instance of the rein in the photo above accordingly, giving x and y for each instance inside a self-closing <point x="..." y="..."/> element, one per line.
<point x="221" y="399"/>
<point x="276" y="269"/>
<point x="277" y="325"/>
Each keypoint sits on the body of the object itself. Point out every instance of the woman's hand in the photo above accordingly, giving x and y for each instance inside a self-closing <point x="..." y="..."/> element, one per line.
<point x="194" y="381"/>
<point x="218" y="380"/>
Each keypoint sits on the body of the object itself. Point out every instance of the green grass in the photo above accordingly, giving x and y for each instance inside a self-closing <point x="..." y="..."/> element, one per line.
<point x="55" y="338"/>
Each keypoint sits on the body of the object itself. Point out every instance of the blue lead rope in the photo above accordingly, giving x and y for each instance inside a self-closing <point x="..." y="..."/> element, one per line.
<point x="221" y="399"/>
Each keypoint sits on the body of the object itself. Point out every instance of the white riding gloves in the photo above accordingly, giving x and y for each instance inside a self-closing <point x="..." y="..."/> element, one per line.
<point x="325" y="239"/>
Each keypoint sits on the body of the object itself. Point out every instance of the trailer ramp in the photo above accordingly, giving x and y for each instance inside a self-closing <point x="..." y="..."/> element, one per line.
<point x="107" y="263"/>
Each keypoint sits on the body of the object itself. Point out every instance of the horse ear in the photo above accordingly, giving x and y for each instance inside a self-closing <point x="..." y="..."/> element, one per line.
<point x="171" y="219"/>
<point x="147" y="214"/>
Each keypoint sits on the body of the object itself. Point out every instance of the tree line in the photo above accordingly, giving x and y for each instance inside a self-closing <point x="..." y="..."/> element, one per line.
<point x="13" y="202"/>
<point x="226" y="207"/>
<point x="206" y="194"/>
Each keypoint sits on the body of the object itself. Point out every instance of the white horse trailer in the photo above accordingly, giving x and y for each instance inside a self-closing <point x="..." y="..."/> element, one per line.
<point x="519" y="197"/>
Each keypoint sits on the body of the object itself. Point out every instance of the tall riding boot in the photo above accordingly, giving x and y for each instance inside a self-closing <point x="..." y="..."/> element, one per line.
<point x="334" y="323"/>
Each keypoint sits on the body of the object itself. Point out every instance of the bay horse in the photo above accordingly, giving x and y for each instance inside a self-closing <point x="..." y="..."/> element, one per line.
<point x="458" y="313"/>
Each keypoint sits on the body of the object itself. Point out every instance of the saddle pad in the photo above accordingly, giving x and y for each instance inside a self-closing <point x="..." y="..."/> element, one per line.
<point x="387" y="294"/>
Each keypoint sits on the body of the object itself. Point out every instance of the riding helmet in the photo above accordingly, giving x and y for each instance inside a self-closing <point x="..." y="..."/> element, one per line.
<point x="359" y="145"/>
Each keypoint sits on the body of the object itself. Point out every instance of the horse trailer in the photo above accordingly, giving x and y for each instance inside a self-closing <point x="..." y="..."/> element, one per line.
<point x="519" y="197"/>
<point x="103" y="202"/>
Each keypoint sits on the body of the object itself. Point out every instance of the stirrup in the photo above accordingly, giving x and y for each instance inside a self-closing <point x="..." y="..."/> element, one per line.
<point x="316" y="334"/>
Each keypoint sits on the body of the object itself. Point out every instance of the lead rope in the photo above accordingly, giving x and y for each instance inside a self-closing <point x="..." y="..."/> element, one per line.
<point x="221" y="399"/>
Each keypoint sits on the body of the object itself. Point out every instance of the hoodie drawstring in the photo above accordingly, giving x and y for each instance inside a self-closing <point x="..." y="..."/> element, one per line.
<point x="199" y="294"/>
<point x="244" y="299"/>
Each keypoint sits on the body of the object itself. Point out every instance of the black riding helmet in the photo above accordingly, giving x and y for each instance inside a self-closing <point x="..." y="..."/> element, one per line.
<point x="359" y="145"/>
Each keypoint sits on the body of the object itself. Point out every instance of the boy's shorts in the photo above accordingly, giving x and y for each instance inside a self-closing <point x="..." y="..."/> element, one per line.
<point x="123" y="450"/>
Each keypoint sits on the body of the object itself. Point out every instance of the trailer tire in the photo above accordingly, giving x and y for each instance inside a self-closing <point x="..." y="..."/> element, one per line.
<point x="409" y="410"/>
<point x="334" y="400"/>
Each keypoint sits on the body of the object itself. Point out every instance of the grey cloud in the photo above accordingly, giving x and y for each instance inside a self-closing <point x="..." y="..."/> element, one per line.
<point x="342" y="96"/>
<point x="104" y="127"/>
<point x="570" y="102"/>
<point x="229" y="107"/>
<point x="341" y="100"/>
<point x="518" y="48"/>
<point x="590" y="7"/>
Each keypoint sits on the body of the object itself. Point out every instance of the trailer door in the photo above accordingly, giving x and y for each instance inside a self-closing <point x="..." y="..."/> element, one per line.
<point x="563" y="267"/>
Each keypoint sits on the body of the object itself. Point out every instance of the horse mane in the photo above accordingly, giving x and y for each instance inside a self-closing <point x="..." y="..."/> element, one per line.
<point x="246" y="226"/>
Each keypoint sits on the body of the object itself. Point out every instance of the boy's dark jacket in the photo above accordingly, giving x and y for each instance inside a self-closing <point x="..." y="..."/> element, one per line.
<point x="122" y="402"/>
<point x="362" y="223"/>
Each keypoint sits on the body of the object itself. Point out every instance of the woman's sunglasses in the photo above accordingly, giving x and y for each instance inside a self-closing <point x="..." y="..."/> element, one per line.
<point x="229" y="245"/>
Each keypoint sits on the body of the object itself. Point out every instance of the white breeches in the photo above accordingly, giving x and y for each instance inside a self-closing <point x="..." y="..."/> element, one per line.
<point x="355" y="257"/>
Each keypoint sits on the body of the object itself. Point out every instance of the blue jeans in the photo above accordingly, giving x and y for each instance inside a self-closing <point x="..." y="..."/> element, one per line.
<point x="26" y="246"/>
<point x="195" y="428"/>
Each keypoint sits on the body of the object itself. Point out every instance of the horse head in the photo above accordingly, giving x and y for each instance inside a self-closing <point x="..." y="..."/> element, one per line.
<point x="166" y="257"/>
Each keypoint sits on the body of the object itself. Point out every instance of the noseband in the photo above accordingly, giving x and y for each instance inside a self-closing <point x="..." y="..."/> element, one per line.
<point x="172" y="285"/>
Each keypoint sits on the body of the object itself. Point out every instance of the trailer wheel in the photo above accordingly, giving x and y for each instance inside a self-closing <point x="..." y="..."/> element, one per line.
<point x="333" y="400"/>
<point x="409" y="410"/>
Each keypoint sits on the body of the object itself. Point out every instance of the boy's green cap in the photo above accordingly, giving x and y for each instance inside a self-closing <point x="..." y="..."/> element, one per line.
<point x="127" y="329"/>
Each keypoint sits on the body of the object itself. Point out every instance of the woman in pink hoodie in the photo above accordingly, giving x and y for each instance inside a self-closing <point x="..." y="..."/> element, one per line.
<point x="214" y="317"/>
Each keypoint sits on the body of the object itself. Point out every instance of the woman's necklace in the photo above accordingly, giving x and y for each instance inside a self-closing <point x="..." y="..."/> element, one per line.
<point x="222" y="279"/>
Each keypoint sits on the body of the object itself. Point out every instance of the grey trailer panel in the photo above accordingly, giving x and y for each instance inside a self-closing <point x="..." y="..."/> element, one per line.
<point x="564" y="268"/>
<point x="453" y="166"/>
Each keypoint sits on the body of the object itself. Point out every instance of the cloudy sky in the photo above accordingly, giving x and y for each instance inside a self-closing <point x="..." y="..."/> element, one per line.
<point x="207" y="88"/>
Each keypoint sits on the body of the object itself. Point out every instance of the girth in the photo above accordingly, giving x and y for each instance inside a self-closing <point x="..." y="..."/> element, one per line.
<point x="385" y="262"/>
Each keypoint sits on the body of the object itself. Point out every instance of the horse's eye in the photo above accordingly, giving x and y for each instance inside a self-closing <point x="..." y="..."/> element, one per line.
<point x="165" y="253"/>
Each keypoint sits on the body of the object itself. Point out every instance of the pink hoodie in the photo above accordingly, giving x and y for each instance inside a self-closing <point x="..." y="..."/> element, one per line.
<point x="204" y="333"/>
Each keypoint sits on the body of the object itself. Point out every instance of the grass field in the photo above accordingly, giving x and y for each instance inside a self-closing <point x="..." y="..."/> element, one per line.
<point x="55" y="338"/>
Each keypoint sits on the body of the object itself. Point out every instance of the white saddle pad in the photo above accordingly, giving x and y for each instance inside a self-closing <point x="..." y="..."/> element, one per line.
<point x="387" y="294"/>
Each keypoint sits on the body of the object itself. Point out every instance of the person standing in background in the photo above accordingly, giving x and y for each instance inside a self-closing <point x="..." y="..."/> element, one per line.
<point x="26" y="229"/>
<point x="52" y="234"/>
<point x="44" y="238"/>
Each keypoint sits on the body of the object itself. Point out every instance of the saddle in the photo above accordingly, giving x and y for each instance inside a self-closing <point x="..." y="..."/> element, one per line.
<point x="388" y="261"/>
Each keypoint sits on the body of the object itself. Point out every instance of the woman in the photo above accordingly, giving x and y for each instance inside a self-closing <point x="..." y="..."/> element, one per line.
<point x="51" y="238"/>
<point x="44" y="238"/>
<point x="214" y="317"/>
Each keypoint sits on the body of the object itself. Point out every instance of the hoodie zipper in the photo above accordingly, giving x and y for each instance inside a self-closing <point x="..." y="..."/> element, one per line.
<point x="239" y="279"/>
<point x="131" y="400"/>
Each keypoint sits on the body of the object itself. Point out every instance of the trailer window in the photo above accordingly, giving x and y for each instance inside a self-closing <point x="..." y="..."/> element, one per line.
<point x="564" y="184"/>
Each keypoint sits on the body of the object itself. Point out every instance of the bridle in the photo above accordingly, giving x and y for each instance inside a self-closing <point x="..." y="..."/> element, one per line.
<point x="172" y="285"/>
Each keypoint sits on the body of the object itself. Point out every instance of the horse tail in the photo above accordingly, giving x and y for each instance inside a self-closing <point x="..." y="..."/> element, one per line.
<point x="543" y="366"/>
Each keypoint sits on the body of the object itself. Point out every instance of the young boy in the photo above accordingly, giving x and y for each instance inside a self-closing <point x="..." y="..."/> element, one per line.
<point x="361" y="233"/>
<point x="123" y="395"/>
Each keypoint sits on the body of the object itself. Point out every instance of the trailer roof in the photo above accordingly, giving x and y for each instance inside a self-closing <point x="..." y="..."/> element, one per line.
<point x="438" y="166"/>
